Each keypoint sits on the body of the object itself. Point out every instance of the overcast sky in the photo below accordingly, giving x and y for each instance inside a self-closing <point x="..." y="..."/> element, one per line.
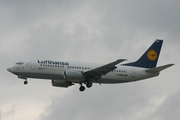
<point x="90" y="31"/>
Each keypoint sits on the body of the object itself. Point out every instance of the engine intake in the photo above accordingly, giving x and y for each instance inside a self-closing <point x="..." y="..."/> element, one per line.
<point x="73" y="76"/>
<point x="61" y="83"/>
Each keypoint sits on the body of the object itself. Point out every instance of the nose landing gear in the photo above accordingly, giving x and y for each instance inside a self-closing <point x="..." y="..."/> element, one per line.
<point x="25" y="82"/>
<point x="22" y="77"/>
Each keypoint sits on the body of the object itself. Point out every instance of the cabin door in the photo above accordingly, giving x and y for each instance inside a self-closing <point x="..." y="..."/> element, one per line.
<point x="133" y="72"/>
<point x="33" y="65"/>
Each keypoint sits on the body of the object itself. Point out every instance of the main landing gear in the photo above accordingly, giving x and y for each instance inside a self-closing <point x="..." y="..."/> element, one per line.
<point x="82" y="88"/>
<point x="88" y="85"/>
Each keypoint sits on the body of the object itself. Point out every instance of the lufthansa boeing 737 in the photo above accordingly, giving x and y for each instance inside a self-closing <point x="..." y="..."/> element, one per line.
<point x="68" y="73"/>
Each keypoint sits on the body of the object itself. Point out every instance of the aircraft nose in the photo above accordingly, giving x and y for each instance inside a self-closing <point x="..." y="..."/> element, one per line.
<point x="10" y="69"/>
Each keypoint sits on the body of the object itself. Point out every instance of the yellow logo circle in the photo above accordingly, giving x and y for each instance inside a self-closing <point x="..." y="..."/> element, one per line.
<point x="152" y="55"/>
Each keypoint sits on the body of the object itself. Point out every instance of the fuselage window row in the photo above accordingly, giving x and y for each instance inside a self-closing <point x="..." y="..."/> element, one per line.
<point x="73" y="67"/>
<point x="51" y="65"/>
<point x="119" y="71"/>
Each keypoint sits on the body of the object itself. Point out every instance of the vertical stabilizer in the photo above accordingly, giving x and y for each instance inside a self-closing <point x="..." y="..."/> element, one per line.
<point x="150" y="57"/>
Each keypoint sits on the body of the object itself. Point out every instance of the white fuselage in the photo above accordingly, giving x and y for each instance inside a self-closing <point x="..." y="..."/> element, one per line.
<point x="55" y="71"/>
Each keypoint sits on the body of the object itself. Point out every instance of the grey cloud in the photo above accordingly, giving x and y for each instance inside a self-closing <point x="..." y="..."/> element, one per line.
<point x="109" y="31"/>
<point x="169" y="109"/>
<point x="161" y="15"/>
<point x="157" y="18"/>
<point x="45" y="38"/>
<point x="100" y="103"/>
<point x="10" y="111"/>
<point x="25" y="12"/>
<point x="93" y="31"/>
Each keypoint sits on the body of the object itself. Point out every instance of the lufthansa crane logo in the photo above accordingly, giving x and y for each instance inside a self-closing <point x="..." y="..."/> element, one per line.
<point x="152" y="55"/>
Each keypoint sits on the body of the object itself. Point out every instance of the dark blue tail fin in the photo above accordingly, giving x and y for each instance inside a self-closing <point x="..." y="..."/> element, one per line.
<point x="150" y="57"/>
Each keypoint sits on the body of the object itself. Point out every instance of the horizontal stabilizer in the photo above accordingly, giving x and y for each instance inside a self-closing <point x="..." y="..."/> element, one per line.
<point x="159" y="69"/>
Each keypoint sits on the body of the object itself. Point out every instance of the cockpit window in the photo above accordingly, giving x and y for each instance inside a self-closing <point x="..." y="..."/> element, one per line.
<point x="19" y="63"/>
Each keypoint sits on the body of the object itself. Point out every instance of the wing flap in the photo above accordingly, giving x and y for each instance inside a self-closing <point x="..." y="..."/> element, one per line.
<point x="159" y="69"/>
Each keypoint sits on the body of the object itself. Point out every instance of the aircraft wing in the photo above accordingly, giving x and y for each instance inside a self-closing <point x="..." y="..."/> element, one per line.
<point x="102" y="70"/>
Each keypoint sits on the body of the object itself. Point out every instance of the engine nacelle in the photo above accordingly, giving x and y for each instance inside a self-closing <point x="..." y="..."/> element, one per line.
<point x="73" y="76"/>
<point x="61" y="83"/>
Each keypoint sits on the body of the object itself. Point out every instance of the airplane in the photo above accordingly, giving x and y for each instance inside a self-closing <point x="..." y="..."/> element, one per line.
<point x="68" y="73"/>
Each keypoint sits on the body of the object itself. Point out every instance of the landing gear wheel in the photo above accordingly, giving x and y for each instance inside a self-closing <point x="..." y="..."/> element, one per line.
<point x="89" y="84"/>
<point x="82" y="88"/>
<point x="25" y="82"/>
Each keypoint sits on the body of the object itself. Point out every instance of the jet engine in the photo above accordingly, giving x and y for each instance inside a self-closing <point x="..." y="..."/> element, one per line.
<point x="61" y="83"/>
<point x="73" y="76"/>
